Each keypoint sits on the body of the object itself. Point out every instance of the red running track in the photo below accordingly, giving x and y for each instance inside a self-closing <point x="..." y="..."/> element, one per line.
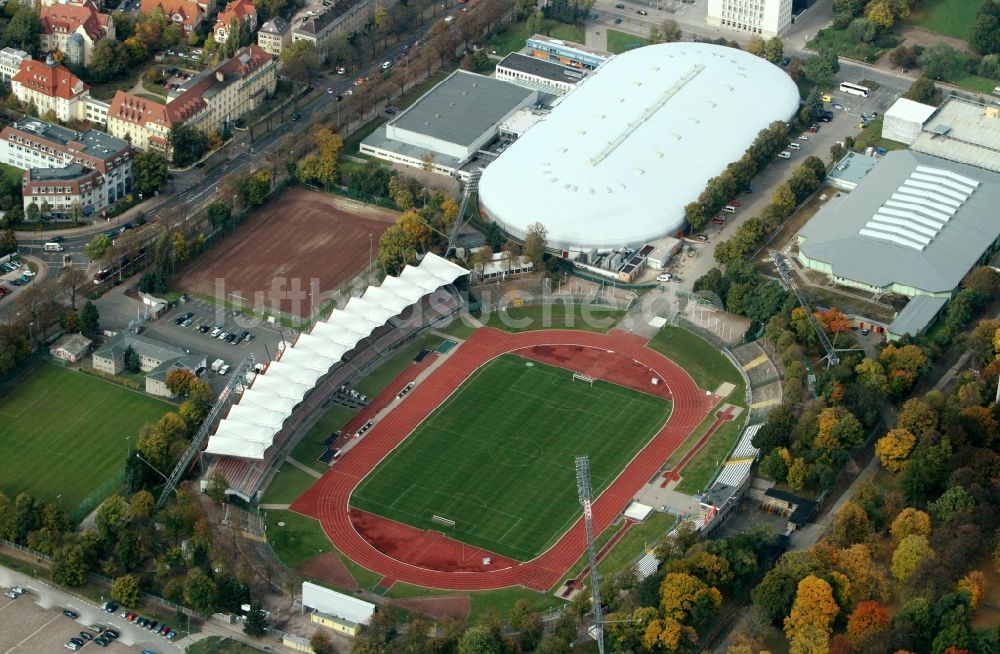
<point x="328" y="499"/>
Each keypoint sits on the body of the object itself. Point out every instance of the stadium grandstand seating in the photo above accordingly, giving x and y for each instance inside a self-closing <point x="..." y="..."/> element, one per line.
<point x="290" y="393"/>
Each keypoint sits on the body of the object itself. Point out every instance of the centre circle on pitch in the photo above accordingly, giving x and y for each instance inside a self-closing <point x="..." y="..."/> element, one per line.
<point x="516" y="451"/>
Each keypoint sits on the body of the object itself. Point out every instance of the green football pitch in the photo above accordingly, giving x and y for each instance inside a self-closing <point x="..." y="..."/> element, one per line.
<point x="498" y="457"/>
<point x="63" y="433"/>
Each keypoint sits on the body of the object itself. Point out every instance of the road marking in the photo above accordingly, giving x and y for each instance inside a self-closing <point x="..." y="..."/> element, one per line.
<point x="32" y="635"/>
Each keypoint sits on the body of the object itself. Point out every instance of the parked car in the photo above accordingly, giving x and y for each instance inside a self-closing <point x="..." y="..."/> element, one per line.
<point x="86" y="635"/>
<point x="111" y="633"/>
<point x="73" y="615"/>
<point x="664" y="277"/>
<point x="719" y="220"/>
<point x="701" y="237"/>
<point x="216" y="332"/>
<point x="224" y="369"/>
<point x="204" y="329"/>
<point x="101" y="642"/>
<point x="11" y="594"/>
<point x="96" y="628"/>
<point x="230" y="338"/>
<point x="110" y="607"/>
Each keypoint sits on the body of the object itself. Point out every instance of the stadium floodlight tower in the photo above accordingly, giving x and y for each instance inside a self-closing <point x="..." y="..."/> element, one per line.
<point x="586" y="499"/>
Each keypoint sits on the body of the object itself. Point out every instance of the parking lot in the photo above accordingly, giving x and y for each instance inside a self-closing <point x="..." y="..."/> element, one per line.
<point x="28" y="628"/>
<point x="266" y="337"/>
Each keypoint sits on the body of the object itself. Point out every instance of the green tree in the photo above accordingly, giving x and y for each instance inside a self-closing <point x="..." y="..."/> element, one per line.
<point x="97" y="247"/>
<point x="187" y="143"/>
<point x="130" y="360"/>
<point x="984" y="34"/>
<point x="110" y="59"/>
<point x="534" y="244"/>
<point x="149" y="172"/>
<point x="821" y="68"/>
<point x="775" y="50"/>
<point x="9" y="242"/>
<point x="396" y="248"/>
<point x="320" y="643"/>
<point x="90" y="320"/>
<point x="757" y="47"/>
<point x="483" y="639"/>
<point x="200" y="591"/>
<point x="954" y="500"/>
<point x="69" y="565"/>
<point x="300" y="61"/>
<point x="125" y="590"/>
<point x="23" y="30"/>
<point x="255" y="623"/>
<point x="111" y="516"/>
<point x="846" y="10"/>
<point x="909" y="553"/>
<point x="862" y="30"/>
<point x="941" y="62"/>
<point x="924" y="90"/>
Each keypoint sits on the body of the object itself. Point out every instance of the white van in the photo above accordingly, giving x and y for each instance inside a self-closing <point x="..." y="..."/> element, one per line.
<point x="729" y="209"/>
<point x="794" y="146"/>
<point x="52" y="247"/>
<point x="784" y="154"/>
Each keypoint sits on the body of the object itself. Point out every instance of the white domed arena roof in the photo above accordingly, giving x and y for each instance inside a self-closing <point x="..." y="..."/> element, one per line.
<point x="617" y="160"/>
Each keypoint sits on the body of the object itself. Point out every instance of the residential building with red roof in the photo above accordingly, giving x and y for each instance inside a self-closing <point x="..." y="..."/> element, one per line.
<point x="51" y="87"/>
<point x="74" y="29"/>
<point x="184" y="13"/>
<point x="144" y="123"/>
<point x="207" y="102"/>
<point x="240" y="11"/>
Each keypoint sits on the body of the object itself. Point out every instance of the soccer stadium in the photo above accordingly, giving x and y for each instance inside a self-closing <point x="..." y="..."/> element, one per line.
<point x="620" y="156"/>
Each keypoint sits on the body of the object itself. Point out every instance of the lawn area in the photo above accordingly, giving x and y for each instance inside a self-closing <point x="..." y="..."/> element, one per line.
<point x="11" y="174"/>
<point x="63" y="433"/>
<point x="841" y="42"/>
<point x="311" y="445"/>
<point x="974" y="83"/>
<point x="372" y="384"/>
<point x="484" y="603"/>
<point x="585" y="317"/>
<point x="509" y="493"/>
<point x="298" y="539"/>
<point x="619" y="42"/>
<point x="288" y="484"/>
<point x="513" y="37"/>
<point x="220" y="645"/>
<point x="458" y="328"/>
<point x="706" y="365"/>
<point x="638" y="539"/>
<point x="700" y="470"/>
<point x="948" y="17"/>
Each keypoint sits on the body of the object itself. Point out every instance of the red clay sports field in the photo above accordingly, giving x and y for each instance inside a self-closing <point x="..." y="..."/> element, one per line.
<point x="425" y="558"/>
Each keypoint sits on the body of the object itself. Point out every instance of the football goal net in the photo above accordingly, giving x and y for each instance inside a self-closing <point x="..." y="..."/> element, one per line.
<point x="584" y="378"/>
<point x="446" y="522"/>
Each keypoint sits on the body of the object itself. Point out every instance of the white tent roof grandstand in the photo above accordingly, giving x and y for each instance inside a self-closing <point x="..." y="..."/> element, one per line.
<point x="267" y="400"/>
<point x="279" y="387"/>
<point x="251" y="425"/>
<point x="616" y="161"/>
<point x="255" y="415"/>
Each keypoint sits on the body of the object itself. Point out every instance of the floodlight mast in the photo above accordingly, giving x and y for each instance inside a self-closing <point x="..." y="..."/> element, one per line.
<point x="586" y="497"/>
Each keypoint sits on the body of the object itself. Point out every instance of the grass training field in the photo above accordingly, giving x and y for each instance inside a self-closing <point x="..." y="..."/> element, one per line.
<point x="702" y="360"/>
<point x="63" y="433"/>
<point x="498" y="456"/>
<point x="584" y="317"/>
<point x="948" y="17"/>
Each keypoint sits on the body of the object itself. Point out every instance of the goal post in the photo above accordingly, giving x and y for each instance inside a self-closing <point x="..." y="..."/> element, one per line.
<point x="584" y="378"/>
<point x="446" y="522"/>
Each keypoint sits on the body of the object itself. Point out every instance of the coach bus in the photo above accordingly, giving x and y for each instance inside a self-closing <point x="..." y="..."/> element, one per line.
<point x="854" y="89"/>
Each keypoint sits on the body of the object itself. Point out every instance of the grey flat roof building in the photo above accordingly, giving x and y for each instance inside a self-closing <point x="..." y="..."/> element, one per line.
<point x="99" y="145"/>
<point x="963" y="131"/>
<point x="451" y="122"/>
<point x="915" y="225"/>
<point x="461" y="108"/>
